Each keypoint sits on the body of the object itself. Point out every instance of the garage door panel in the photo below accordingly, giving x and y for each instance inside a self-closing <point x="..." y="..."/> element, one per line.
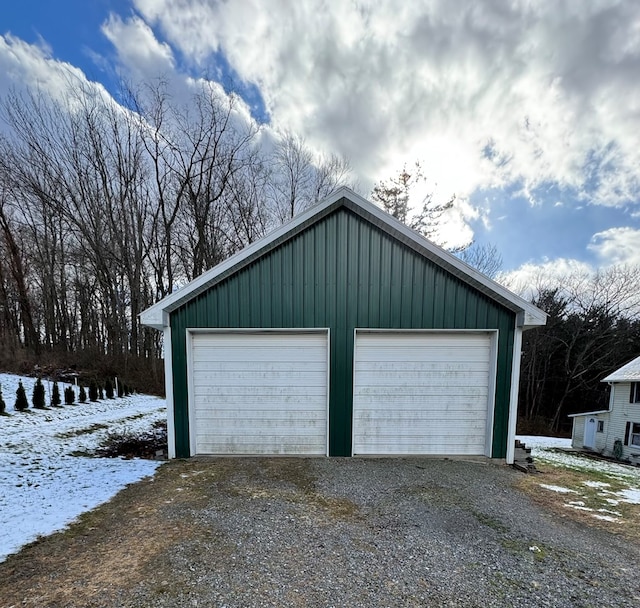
<point x="421" y="393"/>
<point x="436" y="448"/>
<point x="260" y="357"/>
<point x="269" y="396"/>
<point x="389" y="356"/>
<point x="263" y="378"/>
<point x="416" y="410"/>
<point x="258" y="411"/>
<point x="263" y="444"/>
<point x="397" y="393"/>
<point x="259" y="393"/>
<point x="445" y="376"/>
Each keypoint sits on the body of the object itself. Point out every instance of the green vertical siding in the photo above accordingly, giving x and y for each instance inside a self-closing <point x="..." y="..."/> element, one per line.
<point x="343" y="272"/>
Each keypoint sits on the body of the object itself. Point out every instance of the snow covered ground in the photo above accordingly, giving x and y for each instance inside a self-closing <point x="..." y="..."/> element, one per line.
<point x="546" y="449"/>
<point x="42" y="486"/>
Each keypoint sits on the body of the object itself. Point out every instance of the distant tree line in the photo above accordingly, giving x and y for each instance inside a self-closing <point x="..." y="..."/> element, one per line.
<point x="593" y="328"/>
<point x="106" y="208"/>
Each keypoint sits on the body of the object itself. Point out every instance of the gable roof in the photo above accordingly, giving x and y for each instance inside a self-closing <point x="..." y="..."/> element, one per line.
<point x="528" y="315"/>
<point x="627" y="373"/>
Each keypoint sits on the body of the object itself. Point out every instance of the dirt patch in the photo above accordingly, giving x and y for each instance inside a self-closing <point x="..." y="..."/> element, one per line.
<point x="113" y="546"/>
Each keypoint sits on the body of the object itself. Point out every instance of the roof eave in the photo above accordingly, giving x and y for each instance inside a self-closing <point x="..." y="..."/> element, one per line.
<point x="589" y="413"/>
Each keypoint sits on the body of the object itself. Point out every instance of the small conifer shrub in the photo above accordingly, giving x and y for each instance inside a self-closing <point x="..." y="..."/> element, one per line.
<point x="55" y="395"/>
<point x="100" y="392"/>
<point x="21" y="398"/>
<point x="69" y="395"/>
<point x="120" y="389"/>
<point x="93" y="391"/>
<point x="108" y="388"/>
<point x="38" y="395"/>
<point x="82" y="395"/>
<point x="3" y="406"/>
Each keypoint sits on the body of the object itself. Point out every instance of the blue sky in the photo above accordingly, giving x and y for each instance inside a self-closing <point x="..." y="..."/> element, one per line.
<point x="526" y="111"/>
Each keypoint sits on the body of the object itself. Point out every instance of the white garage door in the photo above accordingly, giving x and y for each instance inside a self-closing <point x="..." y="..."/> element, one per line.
<point x="258" y="393"/>
<point x="422" y="393"/>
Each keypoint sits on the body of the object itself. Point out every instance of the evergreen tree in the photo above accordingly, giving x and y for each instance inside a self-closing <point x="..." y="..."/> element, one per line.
<point x="93" y="391"/>
<point x="21" y="398"/>
<point x="126" y="390"/>
<point x="69" y="395"/>
<point x="120" y="389"/>
<point x="3" y="406"/>
<point x="82" y="396"/>
<point x="55" y="395"/>
<point x="108" y="388"/>
<point x="100" y="392"/>
<point x="394" y="196"/>
<point x="38" y="395"/>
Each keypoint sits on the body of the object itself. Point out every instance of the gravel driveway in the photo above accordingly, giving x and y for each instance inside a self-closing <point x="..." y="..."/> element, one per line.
<point x="325" y="532"/>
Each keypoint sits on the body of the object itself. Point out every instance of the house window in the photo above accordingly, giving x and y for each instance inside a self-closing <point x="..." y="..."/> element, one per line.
<point x="600" y="426"/>
<point x="634" y="435"/>
<point x="634" y="396"/>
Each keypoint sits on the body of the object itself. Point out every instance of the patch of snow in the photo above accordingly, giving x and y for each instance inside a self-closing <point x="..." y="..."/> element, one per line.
<point x="612" y="501"/>
<point x="596" y="484"/>
<point x="579" y="503"/>
<point x="630" y="495"/>
<point x="610" y="511"/>
<point x="558" y="489"/>
<point x="539" y="442"/>
<point x="44" y="487"/>
<point x="578" y="507"/>
<point x="606" y="518"/>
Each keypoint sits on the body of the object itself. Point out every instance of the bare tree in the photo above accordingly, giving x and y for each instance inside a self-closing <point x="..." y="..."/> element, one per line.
<point x="593" y="328"/>
<point x="485" y="258"/>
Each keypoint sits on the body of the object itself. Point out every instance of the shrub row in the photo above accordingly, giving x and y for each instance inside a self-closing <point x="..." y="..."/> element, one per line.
<point x="96" y="392"/>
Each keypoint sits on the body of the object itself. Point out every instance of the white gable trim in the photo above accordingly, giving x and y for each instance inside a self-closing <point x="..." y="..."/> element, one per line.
<point x="527" y="314"/>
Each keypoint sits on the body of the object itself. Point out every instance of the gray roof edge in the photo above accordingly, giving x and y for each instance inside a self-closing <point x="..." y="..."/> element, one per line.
<point x="589" y="413"/>
<point x="629" y="372"/>
<point x="156" y="315"/>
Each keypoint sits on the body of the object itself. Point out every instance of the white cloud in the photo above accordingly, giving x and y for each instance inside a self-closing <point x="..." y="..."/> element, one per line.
<point x="529" y="278"/>
<point x="486" y="94"/>
<point x="139" y="52"/>
<point x="617" y="246"/>
<point x="26" y="65"/>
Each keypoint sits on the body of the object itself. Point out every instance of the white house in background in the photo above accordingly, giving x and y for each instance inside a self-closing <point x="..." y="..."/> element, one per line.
<point x="599" y="431"/>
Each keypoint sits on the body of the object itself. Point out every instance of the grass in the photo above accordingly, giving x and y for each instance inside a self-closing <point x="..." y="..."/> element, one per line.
<point x="98" y="426"/>
<point x="585" y="502"/>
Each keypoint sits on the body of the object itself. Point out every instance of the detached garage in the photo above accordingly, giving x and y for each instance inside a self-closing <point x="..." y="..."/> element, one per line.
<point x="342" y="333"/>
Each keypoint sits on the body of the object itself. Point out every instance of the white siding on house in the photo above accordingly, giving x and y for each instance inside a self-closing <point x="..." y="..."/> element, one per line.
<point x="579" y="425"/>
<point x="622" y="412"/>
<point x="577" y="432"/>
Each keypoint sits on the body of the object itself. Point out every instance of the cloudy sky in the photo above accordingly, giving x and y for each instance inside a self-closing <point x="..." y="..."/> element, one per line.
<point x="527" y="110"/>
